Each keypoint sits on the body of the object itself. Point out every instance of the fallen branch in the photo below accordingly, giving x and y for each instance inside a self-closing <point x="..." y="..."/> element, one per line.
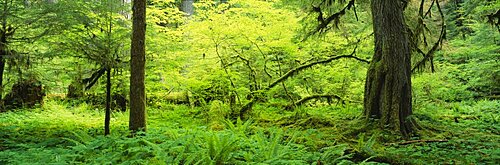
<point x="307" y="98"/>
<point x="416" y="141"/>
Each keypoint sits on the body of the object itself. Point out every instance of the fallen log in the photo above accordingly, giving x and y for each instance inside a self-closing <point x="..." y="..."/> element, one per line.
<point x="416" y="141"/>
<point x="307" y="98"/>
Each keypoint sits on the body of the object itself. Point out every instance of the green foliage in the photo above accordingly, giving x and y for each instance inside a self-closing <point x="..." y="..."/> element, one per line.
<point x="77" y="142"/>
<point x="470" y="128"/>
<point x="464" y="15"/>
<point x="26" y="27"/>
<point x="225" y="55"/>
<point x="447" y="88"/>
<point x="64" y="133"/>
<point x="100" y="33"/>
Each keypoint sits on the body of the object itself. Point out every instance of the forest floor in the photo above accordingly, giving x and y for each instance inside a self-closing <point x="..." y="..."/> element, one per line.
<point x="63" y="132"/>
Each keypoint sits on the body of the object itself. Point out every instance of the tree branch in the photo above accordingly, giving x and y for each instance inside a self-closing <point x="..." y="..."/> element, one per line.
<point x="294" y="71"/>
<point x="305" y="66"/>
<point x="429" y="56"/>
<point x="324" y="22"/>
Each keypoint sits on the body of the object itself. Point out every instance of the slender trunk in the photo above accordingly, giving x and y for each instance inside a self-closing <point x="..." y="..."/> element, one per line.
<point x="388" y="82"/>
<point x="107" y="117"/>
<point x="3" y="52"/>
<point x="137" y="62"/>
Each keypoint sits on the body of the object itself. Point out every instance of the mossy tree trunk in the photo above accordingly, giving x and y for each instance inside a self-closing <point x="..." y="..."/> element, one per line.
<point x="4" y="33"/>
<point x="137" y="62"/>
<point x="388" y="83"/>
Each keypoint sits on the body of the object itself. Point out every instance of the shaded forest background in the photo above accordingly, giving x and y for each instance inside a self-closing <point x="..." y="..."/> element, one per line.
<point x="243" y="81"/>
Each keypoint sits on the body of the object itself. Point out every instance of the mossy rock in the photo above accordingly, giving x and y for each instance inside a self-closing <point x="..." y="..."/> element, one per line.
<point x="25" y="93"/>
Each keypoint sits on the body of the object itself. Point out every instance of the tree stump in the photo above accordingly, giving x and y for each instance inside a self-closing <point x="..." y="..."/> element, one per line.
<point x="75" y="90"/>
<point x="25" y="93"/>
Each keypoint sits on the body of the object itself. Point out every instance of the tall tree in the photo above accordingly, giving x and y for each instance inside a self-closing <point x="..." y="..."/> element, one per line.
<point x="137" y="89"/>
<point x="388" y="82"/>
<point x="387" y="98"/>
<point x="23" y="22"/>
<point x="98" y="35"/>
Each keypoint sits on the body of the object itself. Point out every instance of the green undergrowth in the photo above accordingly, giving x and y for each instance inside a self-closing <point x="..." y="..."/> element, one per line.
<point x="59" y="133"/>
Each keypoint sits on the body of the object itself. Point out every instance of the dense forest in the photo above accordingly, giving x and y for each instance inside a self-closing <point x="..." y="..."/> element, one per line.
<point x="249" y="82"/>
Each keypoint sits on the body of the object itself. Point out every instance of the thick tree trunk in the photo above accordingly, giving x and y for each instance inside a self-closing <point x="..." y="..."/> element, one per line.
<point x="137" y="90"/>
<point x="107" y="117"/>
<point x="388" y="82"/>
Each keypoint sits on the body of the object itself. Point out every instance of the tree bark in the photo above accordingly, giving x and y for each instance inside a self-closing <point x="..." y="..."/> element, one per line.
<point x="388" y="84"/>
<point x="3" y="45"/>
<point x="137" y="89"/>
<point x="3" y="52"/>
<point x="107" y="116"/>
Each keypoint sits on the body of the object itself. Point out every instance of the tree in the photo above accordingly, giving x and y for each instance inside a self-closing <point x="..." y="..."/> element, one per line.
<point x="137" y="63"/>
<point x="98" y="36"/>
<point x="388" y="82"/>
<point x="387" y="97"/>
<point x="23" y="22"/>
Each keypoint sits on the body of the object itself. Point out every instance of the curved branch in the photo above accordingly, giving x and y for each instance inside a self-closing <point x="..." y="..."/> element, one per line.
<point x="248" y="106"/>
<point x="305" y="66"/>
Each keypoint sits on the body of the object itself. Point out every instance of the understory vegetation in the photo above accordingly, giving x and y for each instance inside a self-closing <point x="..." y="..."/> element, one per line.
<point x="248" y="82"/>
<point x="185" y="135"/>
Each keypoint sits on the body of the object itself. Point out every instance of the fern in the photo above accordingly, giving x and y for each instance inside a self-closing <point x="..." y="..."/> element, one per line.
<point x="241" y="128"/>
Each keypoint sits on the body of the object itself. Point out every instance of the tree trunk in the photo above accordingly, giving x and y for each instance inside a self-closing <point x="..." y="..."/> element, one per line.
<point x="137" y="62"/>
<point x="3" y="52"/>
<point x="388" y="82"/>
<point x="3" y="45"/>
<point x="107" y="117"/>
<point x="187" y="7"/>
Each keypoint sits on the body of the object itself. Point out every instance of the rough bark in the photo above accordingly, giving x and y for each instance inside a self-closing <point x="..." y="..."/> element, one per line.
<point x="107" y="116"/>
<point x="137" y="89"/>
<point x="388" y="84"/>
